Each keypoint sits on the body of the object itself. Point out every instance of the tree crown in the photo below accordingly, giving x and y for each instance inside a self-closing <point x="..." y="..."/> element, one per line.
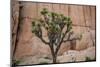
<point x="52" y="22"/>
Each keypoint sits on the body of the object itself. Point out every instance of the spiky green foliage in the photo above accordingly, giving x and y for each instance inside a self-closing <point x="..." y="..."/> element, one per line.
<point x="57" y="26"/>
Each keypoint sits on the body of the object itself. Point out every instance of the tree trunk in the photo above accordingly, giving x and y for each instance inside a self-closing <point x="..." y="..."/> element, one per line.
<point x="54" y="59"/>
<point x="54" y="55"/>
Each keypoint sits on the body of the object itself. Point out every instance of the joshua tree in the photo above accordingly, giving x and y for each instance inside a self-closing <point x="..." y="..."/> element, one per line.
<point x="58" y="29"/>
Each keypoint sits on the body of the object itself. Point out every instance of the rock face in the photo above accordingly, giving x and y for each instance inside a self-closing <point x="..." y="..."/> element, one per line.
<point x="31" y="49"/>
<point x="14" y="23"/>
<point x="77" y="56"/>
<point x="69" y="56"/>
<point x="86" y="41"/>
<point x="35" y="60"/>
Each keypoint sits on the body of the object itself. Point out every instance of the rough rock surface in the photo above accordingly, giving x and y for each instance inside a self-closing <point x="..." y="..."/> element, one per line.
<point x="69" y="56"/>
<point x="74" y="56"/>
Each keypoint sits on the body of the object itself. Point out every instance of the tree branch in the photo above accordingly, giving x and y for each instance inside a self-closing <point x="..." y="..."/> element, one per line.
<point x="71" y="39"/>
<point x="58" y="47"/>
<point x="43" y="40"/>
<point x="74" y="38"/>
<point x="39" y="34"/>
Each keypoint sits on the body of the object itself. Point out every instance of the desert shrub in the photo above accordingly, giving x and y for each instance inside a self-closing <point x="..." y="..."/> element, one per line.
<point x="15" y="62"/>
<point x="43" y="62"/>
<point x="89" y="59"/>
